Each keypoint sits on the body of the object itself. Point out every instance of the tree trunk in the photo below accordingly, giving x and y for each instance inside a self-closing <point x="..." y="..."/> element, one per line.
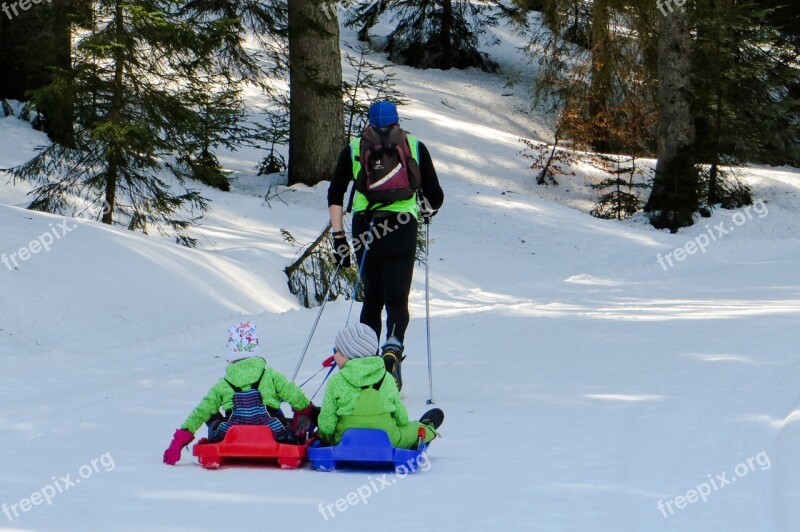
<point x="675" y="196"/>
<point x="446" y="38"/>
<point x="601" y="76"/>
<point x="59" y="112"/>
<point x="316" y="110"/>
<point x="32" y="42"/>
<point x="713" y="175"/>
<point x="116" y="111"/>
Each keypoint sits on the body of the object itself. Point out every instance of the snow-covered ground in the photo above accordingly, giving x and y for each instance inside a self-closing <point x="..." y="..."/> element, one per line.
<point x="588" y="385"/>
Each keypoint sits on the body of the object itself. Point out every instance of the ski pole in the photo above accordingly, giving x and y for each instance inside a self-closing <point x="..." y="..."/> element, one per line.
<point x="316" y="321"/>
<point x="428" y="310"/>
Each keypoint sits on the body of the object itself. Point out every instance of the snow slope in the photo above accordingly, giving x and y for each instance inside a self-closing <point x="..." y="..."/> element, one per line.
<point x="583" y="382"/>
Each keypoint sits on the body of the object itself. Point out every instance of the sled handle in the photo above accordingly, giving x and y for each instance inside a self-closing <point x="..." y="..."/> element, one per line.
<point x="420" y="436"/>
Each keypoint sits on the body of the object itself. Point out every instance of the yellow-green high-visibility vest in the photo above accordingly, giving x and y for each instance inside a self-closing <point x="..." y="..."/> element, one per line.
<point x="360" y="202"/>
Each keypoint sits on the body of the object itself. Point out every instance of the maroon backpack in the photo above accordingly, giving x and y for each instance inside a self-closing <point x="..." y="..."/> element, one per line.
<point x="388" y="172"/>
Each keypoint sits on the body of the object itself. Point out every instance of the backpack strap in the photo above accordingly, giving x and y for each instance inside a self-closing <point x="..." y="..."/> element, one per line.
<point x="355" y="151"/>
<point x="255" y="386"/>
<point x="355" y="162"/>
<point x="235" y="388"/>
<point x="352" y="197"/>
<point x="377" y="385"/>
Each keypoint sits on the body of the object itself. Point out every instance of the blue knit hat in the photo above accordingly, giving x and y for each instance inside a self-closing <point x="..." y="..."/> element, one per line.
<point x="383" y="113"/>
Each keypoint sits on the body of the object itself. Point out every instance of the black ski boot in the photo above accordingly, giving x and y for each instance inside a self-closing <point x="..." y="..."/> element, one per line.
<point x="433" y="417"/>
<point x="392" y="352"/>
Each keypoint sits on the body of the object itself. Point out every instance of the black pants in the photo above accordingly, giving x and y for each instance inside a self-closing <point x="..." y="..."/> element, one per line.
<point x="391" y="246"/>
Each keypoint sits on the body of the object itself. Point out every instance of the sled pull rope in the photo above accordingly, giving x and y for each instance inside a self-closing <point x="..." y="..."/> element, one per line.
<point x="323" y="382"/>
<point x="316" y="321"/>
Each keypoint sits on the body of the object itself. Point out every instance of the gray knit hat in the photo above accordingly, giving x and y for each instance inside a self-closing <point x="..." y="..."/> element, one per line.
<point x="357" y="341"/>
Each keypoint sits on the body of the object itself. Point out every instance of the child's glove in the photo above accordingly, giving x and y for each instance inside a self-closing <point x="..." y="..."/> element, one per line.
<point x="181" y="439"/>
<point x="303" y="422"/>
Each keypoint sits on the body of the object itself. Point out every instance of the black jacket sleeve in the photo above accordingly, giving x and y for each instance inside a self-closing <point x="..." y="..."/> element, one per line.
<point x="341" y="179"/>
<point x="430" y="188"/>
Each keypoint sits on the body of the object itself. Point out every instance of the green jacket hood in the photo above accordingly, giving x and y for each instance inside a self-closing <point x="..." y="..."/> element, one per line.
<point x="245" y="372"/>
<point x="363" y="371"/>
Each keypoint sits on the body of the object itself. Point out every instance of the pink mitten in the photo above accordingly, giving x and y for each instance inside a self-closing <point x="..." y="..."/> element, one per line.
<point x="181" y="439"/>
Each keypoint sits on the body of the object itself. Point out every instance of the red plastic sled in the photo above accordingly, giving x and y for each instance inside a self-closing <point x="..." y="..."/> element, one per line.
<point x="249" y="443"/>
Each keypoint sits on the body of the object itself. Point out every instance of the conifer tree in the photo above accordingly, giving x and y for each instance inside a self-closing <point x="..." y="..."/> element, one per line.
<point x="133" y="83"/>
<point x="440" y="34"/>
<point x="251" y="51"/>
<point x="569" y="20"/>
<point x="254" y="47"/>
<point x="742" y="81"/>
<point x="372" y="82"/>
<point x="274" y="133"/>
<point x="220" y="122"/>
<point x="618" y="198"/>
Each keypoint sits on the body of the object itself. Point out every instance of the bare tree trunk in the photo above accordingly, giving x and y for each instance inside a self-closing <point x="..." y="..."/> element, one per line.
<point x="116" y="110"/>
<point x="316" y="110"/>
<point x="601" y="75"/>
<point x="446" y="38"/>
<point x="675" y="196"/>
<point x="713" y="175"/>
<point x="32" y="42"/>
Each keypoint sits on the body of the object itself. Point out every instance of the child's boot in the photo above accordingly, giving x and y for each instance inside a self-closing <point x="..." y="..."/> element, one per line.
<point x="433" y="417"/>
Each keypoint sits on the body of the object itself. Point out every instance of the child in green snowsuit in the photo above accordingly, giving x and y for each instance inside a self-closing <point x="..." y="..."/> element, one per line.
<point x="246" y="373"/>
<point x="363" y="396"/>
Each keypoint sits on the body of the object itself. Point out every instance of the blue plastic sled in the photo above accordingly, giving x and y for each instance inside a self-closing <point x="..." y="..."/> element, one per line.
<point x="366" y="449"/>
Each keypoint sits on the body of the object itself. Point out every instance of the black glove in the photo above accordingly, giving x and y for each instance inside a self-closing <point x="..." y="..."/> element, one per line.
<point x="428" y="214"/>
<point x="341" y="250"/>
<point x="425" y="209"/>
